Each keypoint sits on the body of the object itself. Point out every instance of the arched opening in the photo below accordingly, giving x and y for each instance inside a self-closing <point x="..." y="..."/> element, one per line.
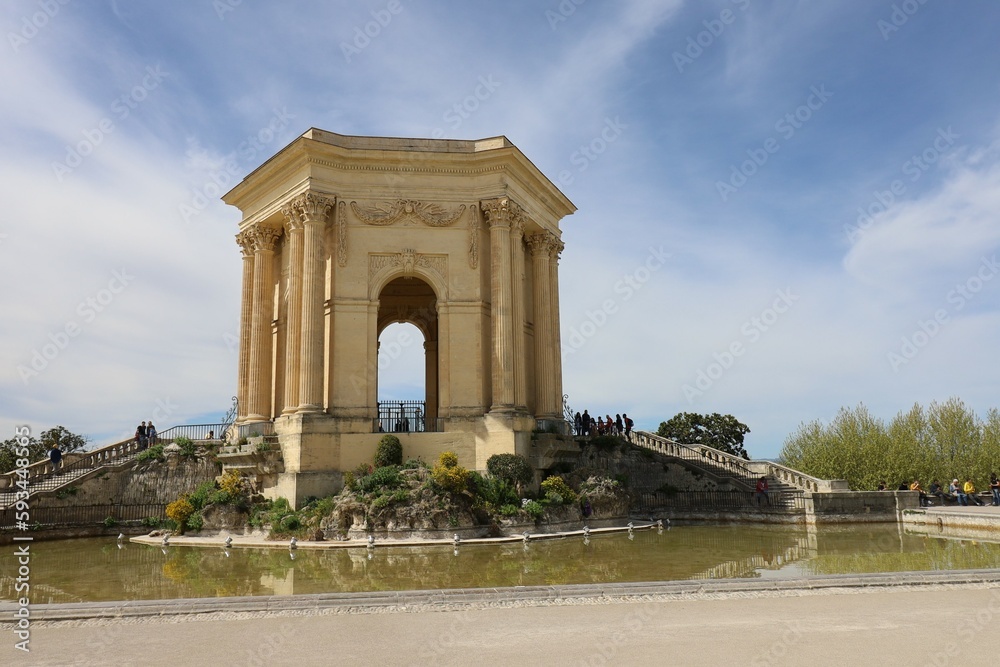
<point x="407" y="357"/>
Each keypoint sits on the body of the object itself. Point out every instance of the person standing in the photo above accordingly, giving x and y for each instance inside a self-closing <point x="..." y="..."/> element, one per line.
<point x="140" y="435"/>
<point x="150" y="434"/>
<point x="995" y="488"/>
<point x="619" y="425"/>
<point x="586" y="422"/>
<point x="761" y="491"/>
<point x="578" y="424"/>
<point x="55" y="456"/>
<point x="628" y="425"/>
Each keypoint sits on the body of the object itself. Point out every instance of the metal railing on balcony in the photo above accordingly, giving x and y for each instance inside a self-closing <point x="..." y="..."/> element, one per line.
<point x="404" y="417"/>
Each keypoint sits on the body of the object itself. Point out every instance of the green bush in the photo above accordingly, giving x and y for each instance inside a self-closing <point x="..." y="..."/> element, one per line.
<point x="494" y="491"/>
<point x="557" y="490"/>
<point x="386" y="477"/>
<point x="154" y="452"/>
<point x="534" y="509"/>
<point x="187" y="445"/>
<point x="511" y="468"/>
<point x="448" y="475"/>
<point x="389" y="452"/>
<point x="509" y="510"/>
<point x="151" y="522"/>
<point x="195" y="521"/>
<point x="201" y="496"/>
<point x="110" y="522"/>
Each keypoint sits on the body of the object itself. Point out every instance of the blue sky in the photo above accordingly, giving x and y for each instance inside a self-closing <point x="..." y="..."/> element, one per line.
<point x="784" y="208"/>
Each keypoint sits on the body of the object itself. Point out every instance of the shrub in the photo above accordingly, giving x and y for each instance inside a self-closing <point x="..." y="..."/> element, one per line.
<point x="187" y="445"/>
<point x="555" y="486"/>
<point x="413" y="464"/>
<point x="201" y="496"/>
<point x="110" y="522"/>
<point x="233" y="483"/>
<point x="386" y="477"/>
<point x="195" y="522"/>
<point x="509" y="510"/>
<point x="389" y="452"/>
<point x="289" y="523"/>
<point x="179" y="512"/>
<point x="448" y="475"/>
<point x="494" y="491"/>
<point x="511" y="468"/>
<point x="349" y="482"/>
<point x="150" y="522"/>
<point x="154" y="452"/>
<point x="534" y="509"/>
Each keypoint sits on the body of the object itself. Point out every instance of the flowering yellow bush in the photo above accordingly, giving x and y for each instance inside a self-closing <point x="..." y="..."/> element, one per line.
<point x="448" y="475"/>
<point x="232" y="483"/>
<point x="179" y="512"/>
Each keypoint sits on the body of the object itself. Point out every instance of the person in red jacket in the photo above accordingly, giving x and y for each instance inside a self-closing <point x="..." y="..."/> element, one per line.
<point x="761" y="491"/>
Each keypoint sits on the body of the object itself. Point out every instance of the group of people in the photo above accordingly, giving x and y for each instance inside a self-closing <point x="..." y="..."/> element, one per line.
<point x="584" y="424"/>
<point x="145" y="434"/>
<point x="963" y="493"/>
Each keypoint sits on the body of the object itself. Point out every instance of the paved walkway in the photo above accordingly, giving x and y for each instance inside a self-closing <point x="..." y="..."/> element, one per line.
<point x="940" y="624"/>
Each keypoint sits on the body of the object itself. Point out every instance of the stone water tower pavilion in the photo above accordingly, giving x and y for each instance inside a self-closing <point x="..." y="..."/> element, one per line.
<point x="342" y="236"/>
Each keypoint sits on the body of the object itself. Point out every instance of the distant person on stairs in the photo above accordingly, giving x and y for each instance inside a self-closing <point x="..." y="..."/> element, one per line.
<point x="761" y="491"/>
<point x="140" y="435"/>
<point x="55" y="456"/>
<point x="150" y="434"/>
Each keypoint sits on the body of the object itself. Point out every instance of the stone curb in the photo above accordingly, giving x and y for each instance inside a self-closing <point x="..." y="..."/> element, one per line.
<point x="445" y="598"/>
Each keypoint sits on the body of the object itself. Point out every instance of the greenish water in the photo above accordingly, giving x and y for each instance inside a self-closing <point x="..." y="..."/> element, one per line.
<point x="96" y="569"/>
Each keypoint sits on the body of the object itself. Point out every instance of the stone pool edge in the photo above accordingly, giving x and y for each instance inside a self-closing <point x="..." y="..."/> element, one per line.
<point x="448" y="599"/>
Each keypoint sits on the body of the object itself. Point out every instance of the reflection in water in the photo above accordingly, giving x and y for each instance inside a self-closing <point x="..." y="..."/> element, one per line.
<point x="97" y="569"/>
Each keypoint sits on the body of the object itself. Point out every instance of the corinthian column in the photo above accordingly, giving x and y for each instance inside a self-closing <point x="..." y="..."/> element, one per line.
<point x="557" y="385"/>
<point x="246" y="325"/>
<point x="498" y="214"/>
<point x="541" y="245"/>
<point x="314" y="209"/>
<point x="293" y="324"/>
<point x="517" y="305"/>
<point x="259" y="380"/>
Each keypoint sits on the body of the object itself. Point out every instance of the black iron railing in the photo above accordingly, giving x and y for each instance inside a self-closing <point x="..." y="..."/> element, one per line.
<point x="404" y="417"/>
<point x="82" y="515"/>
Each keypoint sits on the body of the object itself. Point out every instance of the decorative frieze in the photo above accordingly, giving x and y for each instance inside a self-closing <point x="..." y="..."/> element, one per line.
<point x="407" y="211"/>
<point x="408" y="260"/>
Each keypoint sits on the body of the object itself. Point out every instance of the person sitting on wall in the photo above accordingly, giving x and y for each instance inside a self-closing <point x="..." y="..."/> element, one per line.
<point x="210" y="436"/>
<point x="761" y="491"/>
<point x="937" y="491"/>
<point x="955" y="490"/>
<point x="970" y="492"/>
<point x="882" y="486"/>
<point x="915" y="486"/>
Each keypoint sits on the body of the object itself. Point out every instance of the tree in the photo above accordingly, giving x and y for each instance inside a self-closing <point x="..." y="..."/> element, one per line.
<point x="722" y="432"/>
<point x="38" y="448"/>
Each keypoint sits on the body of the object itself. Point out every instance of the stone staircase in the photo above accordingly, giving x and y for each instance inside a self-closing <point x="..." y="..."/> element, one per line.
<point x="726" y="466"/>
<point x="41" y="477"/>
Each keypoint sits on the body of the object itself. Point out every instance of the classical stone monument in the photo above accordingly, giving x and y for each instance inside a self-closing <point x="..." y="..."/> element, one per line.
<point x="342" y="236"/>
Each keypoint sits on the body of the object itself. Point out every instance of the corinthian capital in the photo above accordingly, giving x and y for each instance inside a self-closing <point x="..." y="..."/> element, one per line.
<point x="309" y="207"/>
<point x="500" y="211"/>
<point x="540" y="243"/>
<point x="245" y="241"/>
<point x="263" y="238"/>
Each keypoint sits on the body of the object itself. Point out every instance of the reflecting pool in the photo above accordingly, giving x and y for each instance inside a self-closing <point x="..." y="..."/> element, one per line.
<point x="96" y="569"/>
